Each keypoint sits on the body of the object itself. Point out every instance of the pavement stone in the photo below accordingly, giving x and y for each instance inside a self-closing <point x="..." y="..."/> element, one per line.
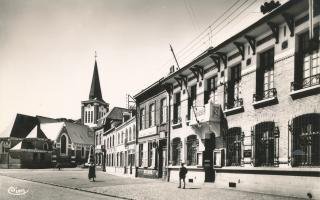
<point x="132" y="188"/>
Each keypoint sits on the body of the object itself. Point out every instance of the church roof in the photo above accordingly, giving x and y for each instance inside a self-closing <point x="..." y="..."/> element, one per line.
<point x="21" y="127"/>
<point x="80" y="134"/>
<point x="95" y="90"/>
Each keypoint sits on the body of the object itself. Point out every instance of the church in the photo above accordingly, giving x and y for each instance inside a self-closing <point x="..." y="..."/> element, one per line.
<point x="44" y="142"/>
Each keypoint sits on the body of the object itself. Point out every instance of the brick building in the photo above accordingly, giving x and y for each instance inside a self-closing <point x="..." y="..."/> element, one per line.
<point x="152" y="130"/>
<point x="246" y="113"/>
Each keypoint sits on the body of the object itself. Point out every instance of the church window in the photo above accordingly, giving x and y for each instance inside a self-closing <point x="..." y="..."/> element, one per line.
<point x="63" y="141"/>
<point x="91" y="116"/>
<point x="82" y="151"/>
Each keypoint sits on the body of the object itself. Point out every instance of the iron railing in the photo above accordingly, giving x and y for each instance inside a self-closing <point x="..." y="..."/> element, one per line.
<point x="238" y="102"/>
<point x="306" y="82"/>
<point x="305" y="140"/>
<point x="266" y="94"/>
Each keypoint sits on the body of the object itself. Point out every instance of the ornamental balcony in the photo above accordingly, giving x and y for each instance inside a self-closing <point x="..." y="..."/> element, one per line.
<point x="308" y="86"/>
<point x="235" y="107"/>
<point x="268" y="97"/>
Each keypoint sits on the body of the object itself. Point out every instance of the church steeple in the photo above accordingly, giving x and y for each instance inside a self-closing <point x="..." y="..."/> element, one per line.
<point x="95" y="91"/>
<point x="94" y="108"/>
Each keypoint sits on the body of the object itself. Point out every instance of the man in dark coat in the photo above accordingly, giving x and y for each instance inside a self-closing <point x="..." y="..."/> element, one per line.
<point x="92" y="171"/>
<point x="182" y="175"/>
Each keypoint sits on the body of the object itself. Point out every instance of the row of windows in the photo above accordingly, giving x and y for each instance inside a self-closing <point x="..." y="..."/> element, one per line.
<point x="120" y="159"/>
<point x="191" y="144"/>
<point x="306" y="75"/>
<point x="127" y="136"/>
<point x="147" y="155"/>
<point x="264" y="148"/>
<point x="152" y="114"/>
<point x="88" y="117"/>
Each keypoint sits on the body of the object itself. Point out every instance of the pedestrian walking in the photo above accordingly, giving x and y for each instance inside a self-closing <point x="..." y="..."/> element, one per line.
<point x="182" y="175"/>
<point x="92" y="171"/>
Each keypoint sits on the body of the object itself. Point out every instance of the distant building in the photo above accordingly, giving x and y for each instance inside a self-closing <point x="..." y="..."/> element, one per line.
<point x="106" y="125"/>
<point x="120" y="144"/>
<point x="41" y="142"/>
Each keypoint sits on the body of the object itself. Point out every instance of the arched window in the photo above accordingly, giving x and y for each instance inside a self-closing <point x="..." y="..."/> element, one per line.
<point x="82" y="152"/>
<point x="234" y="144"/>
<point x="118" y="138"/>
<point x="192" y="148"/>
<point x="176" y="151"/>
<point x="63" y="142"/>
<point x="305" y="130"/>
<point x="265" y="139"/>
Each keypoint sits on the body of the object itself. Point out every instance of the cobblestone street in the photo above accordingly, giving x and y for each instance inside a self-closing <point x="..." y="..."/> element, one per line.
<point x="120" y="187"/>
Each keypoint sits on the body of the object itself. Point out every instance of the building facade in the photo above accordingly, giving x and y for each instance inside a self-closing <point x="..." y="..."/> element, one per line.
<point x="152" y="132"/>
<point x="121" y="148"/>
<point x="246" y="113"/>
<point x="105" y="127"/>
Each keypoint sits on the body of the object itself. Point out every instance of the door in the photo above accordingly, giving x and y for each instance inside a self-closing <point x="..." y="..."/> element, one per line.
<point x="208" y="159"/>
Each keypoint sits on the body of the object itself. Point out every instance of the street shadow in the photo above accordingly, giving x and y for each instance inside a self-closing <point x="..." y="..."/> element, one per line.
<point x="192" y="188"/>
<point x="96" y="181"/>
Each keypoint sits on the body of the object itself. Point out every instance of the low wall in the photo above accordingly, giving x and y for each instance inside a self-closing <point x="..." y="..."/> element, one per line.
<point x="194" y="175"/>
<point x="291" y="182"/>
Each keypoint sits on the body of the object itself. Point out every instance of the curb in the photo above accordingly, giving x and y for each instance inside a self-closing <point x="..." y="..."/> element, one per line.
<point x="68" y="187"/>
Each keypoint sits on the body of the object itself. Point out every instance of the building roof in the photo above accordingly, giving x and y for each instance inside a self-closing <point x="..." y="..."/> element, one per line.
<point x="43" y="119"/>
<point x="292" y="7"/>
<point x="21" y="127"/>
<point x="116" y="113"/>
<point x="80" y="134"/>
<point x="95" y="91"/>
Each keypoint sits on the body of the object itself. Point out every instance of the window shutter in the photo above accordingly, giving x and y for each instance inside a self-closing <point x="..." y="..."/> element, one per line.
<point x="259" y="78"/>
<point x="230" y="94"/>
<point x="297" y="70"/>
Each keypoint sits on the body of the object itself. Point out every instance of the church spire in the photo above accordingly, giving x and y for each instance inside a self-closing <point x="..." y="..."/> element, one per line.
<point x="95" y="91"/>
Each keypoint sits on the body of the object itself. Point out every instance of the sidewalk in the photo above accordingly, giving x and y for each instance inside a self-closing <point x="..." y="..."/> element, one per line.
<point x="131" y="188"/>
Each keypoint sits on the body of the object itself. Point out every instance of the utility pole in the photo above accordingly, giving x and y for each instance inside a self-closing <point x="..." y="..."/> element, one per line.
<point x="174" y="56"/>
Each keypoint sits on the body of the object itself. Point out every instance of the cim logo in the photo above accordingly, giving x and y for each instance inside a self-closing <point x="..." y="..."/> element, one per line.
<point x="14" y="190"/>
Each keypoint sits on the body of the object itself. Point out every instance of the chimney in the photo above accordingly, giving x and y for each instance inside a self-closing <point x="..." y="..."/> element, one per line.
<point x="171" y="69"/>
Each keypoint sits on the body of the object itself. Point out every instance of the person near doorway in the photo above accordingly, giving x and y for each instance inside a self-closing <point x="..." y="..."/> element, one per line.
<point x="92" y="171"/>
<point x="182" y="175"/>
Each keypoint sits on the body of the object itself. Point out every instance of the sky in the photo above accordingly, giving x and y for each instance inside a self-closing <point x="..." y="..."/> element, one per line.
<point x="47" y="47"/>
